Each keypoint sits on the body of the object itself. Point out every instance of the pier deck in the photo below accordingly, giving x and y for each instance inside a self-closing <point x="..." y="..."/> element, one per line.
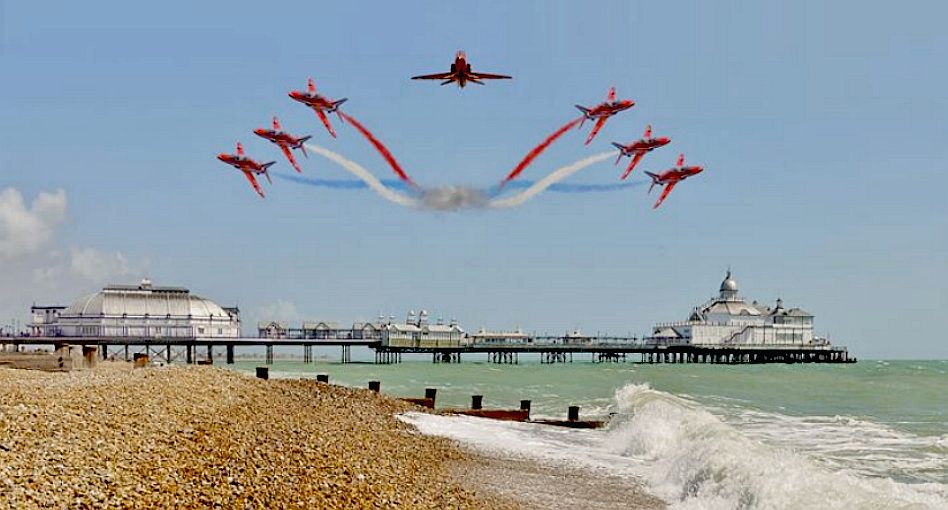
<point x="549" y="349"/>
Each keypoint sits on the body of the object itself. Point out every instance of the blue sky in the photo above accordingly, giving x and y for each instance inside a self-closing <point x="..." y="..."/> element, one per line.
<point x="822" y="128"/>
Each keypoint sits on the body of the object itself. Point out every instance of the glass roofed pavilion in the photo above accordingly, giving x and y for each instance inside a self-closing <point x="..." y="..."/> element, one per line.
<point x="142" y="310"/>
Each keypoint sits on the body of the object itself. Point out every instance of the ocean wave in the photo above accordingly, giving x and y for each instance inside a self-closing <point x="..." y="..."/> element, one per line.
<point x="696" y="460"/>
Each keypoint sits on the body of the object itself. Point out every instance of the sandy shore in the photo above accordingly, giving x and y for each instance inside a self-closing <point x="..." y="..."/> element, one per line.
<point x="205" y="437"/>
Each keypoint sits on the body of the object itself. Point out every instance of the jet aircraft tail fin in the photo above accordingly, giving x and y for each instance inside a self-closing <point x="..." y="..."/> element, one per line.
<point x="303" y="145"/>
<point x="266" y="170"/>
<point x="621" y="151"/>
<point x="585" y="114"/>
<point x="654" y="180"/>
<point x="648" y="131"/>
<point x="311" y="86"/>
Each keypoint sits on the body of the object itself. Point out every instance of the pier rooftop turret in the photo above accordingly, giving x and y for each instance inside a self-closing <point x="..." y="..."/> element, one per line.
<point x="729" y="319"/>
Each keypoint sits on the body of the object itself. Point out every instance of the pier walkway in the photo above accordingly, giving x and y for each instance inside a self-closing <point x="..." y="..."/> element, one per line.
<point x="548" y="349"/>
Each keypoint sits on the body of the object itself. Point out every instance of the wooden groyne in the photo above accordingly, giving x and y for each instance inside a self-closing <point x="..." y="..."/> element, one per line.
<point x="519" y="415"/>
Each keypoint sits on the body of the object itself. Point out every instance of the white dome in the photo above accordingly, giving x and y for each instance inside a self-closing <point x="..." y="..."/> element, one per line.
<point x="137" y="301"/>
<point x="729" y="284"/>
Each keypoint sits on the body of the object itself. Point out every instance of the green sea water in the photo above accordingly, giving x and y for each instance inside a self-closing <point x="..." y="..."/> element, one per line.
<point x="876" y="425"/>
<point x="909" y="395"/>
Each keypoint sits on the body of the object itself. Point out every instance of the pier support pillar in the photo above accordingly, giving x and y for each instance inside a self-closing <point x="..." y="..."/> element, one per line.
<point x="105" y="352"/>
<point x="188" y="354"/>
<point x="230" y="354"/>
<point x="269" y="359"/>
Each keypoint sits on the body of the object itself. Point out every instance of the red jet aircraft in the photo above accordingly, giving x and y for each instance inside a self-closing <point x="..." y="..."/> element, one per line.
<point x="603" y="111"/>
<point x="284" y="140"/>
<point x="461" y="73"/>
<point x="249" y="167"/>
<point x="320" y="104"/>
<point x="669" y="178"/>
<point x="639" y="148"/>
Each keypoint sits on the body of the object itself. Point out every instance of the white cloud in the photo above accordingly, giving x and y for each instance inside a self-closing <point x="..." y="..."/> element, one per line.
<point x="35" y="268"/>
<point x="279" y="310"/>
<point x="27" y="230"/>
<point x="98" y="266"/>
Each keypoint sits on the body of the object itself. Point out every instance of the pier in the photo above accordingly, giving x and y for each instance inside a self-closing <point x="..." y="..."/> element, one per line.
<point x="549" y="350"/>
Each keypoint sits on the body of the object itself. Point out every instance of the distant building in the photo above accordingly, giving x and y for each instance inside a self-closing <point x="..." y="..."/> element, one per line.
<point x="418" y="332"/>
<point x="730" y="320"/>
<point x="45" y="320"/>
<point x="140" y="310"/>
<point x="484" y="337"/>
<point x="272" y="329"/>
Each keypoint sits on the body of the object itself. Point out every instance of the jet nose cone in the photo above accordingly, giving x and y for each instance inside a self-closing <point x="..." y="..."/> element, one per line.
<point x="295" y="94"/>
<point x="664" y="140"/>
<point x="259" y="131"/>
<point x="222" y="156"/>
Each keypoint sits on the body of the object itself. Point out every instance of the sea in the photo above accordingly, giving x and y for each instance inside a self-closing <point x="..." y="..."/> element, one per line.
<point x="868" y="435"/>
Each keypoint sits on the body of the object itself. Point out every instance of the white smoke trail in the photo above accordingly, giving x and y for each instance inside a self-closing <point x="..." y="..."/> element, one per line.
<point x="453" y="198"/>
<point x="544" y="183"/>
<point x="366" y="177"/>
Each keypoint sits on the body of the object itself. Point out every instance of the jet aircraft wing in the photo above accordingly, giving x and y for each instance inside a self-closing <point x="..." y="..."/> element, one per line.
<point x="253" y="182"/>
<point x="595" y="129"/>
<point x="438" y="76"/>
<point x="322" y="117"/>
<point x="668" y="187"/>
<point x="289" y="156"/>
<point x="635" y="161"/>
<point x="489" y="76"/>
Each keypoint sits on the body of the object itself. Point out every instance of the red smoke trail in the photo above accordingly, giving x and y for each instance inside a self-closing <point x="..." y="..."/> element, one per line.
<point x="539" y="150"/>
<point x="379" y="147"/>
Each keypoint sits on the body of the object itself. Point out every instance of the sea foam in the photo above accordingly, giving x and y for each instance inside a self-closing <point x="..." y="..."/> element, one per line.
<point x="691" y="457"/>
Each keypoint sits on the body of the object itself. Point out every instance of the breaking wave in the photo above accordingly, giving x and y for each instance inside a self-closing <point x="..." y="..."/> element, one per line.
<point x="693" y="459"/>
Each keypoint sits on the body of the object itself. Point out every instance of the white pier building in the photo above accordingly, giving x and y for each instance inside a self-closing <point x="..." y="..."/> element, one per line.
<point x="728" y="319"/>
<point x="142" y="310"/>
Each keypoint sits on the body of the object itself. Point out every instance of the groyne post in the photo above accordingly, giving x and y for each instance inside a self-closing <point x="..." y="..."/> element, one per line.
<point x="375" y="386"/>
<point x="572" y="413"/>
<point x="525" y="406"/>
<point x="323" y="378"/>
<point x="431" y="393"/>
<point x="263" y="373"/>
<point x="477" y="401"/>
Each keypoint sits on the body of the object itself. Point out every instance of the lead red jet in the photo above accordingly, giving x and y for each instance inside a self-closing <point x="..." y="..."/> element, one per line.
<point x="320" y="104"/>
<point x="671" y="177"/>
<point x="248" y="166"/>
<point x="603" y="111"/>
<point x="285" y="141"/>
<point x="461" y="73"/>
<point x="639" y="148"/>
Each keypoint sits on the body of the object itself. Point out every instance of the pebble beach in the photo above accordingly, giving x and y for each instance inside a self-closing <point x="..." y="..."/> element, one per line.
<point x="204" y="437"/>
